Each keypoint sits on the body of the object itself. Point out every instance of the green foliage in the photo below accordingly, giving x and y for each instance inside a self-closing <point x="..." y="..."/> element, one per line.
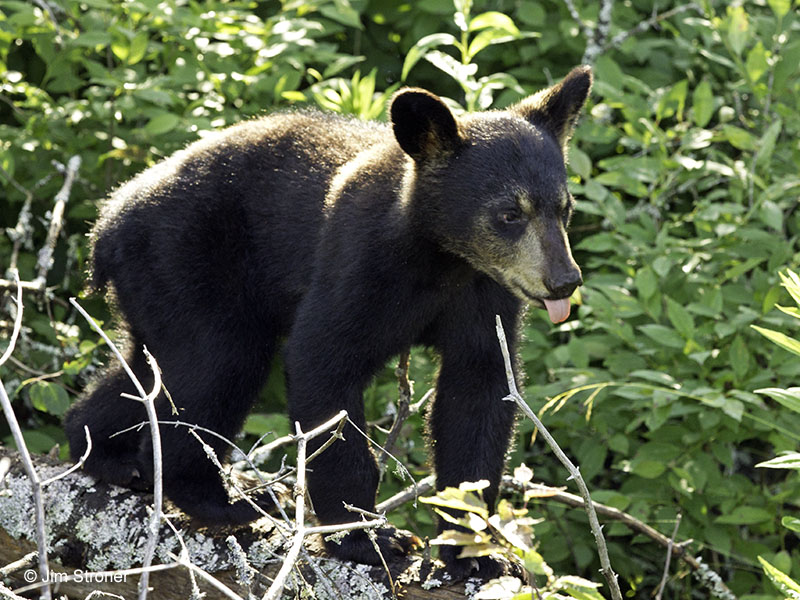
<point x="509" y="533"/>
<point x="686" y="177"/>
<point x="476" y="34"/>
<point x="790" y="398"/>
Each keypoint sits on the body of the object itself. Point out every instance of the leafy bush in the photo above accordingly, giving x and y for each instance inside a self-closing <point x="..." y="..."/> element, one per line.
<point x="686" y="176"/>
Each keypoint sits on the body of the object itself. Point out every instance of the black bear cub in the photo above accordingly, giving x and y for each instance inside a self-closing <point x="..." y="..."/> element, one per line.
<point x="352" y="241"/>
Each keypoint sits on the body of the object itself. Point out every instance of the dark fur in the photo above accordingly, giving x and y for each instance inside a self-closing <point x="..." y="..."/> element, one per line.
<point x="250" y="236"/>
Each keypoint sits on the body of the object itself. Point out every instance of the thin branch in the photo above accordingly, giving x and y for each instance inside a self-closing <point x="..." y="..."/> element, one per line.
<point x="289" y="561"/>
<point x="30" y="470"/>
<point x="17" y="321"/>
<point x="514" y="395"/>
<point x="651" y="22"/>
<point x="679" y="549"/>
<point x="670" y="545"/>
<point x="28" y="286"/>
<point x="339" y="527"/>
<point x="150" y="407"/>
<point x="78" y="464"/>
<point x="45" y="260"/>
<point x="301" y="531"/>
<point x="573" y="11"/>
<point x="403" y="409"/>
<point x="26" y="562"/>
<point x="185" y="555"/>
<point x="158" y="486"/>
<point x="412" y="492"/>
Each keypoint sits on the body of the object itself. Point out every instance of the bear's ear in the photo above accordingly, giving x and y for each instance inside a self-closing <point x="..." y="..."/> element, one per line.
<point x="423" y="125"/>
<point x="557" y="108"/>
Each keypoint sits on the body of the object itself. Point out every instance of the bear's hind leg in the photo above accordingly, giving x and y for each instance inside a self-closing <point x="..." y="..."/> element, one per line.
<point x="214" y="390"/>
<point x="106" y="413"/>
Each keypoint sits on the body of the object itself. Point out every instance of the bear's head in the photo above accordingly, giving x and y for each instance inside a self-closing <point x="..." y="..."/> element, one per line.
<point x="491" y="187"/>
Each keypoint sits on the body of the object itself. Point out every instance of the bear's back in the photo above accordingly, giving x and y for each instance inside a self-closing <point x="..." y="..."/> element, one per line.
<point x="240" y="209"/>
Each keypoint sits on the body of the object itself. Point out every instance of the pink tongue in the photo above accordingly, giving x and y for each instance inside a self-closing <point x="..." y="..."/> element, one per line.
<point x="557" y="310"/>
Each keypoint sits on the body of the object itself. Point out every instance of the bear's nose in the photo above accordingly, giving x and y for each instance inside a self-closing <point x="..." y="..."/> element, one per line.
<point x="562" y="285"/>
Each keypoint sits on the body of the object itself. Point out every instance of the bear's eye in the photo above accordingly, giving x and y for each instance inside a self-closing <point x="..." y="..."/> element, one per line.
<point x="510" y="216"/>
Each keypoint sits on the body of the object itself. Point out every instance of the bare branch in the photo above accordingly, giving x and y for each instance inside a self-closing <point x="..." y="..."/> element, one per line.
<point x="45" y="260"/>
<point x="671" y="543"/>
<point x="12" y="342"/>
<point x="651" y="22"/>
<point x="412" y="492"/>
<point x="25" y="562"/>
<point x="403" y="409"/>
<point x="78" y="464"/>
<point x="277" y="586"/>
<point x="149" y="402"/>
<point x="514" y="395"/>
<point x="30" y="470"/>
<point x="679" y="549"/>
<point x="573" y="11"/>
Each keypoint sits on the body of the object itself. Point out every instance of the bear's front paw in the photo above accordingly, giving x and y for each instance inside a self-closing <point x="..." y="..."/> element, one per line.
<point x="483" y="567"/>
<point x="356" y="545"/>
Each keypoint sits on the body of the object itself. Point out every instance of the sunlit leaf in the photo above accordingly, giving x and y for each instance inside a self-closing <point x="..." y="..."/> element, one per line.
<point x="780" y="7"/>
<point x="790" y="460"/>
<point x="756" y="64"/>
<point x="790" y="397"/>
<point x="785" y="584"/>
<point x="702" y="103"/>
<point x="779" y="338"/>
<point x="738" y="28"/>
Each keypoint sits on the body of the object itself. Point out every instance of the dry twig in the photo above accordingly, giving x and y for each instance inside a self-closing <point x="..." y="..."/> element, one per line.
<point x="670" y="545"/>
<point x="403" y="409"/>
<point x="149" y="402"/>
<point x="16" y="432"/>
<point x="514" y="395"/>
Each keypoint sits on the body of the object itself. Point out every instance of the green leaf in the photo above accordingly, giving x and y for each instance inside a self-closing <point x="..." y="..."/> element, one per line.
<point x="746" y="515"/>
<point x="779" y="338"/>
<point x="702" y="103"/>
<point x="646" y="282"/>
<point x="460" y="72"/>
<point x="342" y="12"/>
<point x="495" y="20"/>
<point x="649" y="469"/>
<point x="739" y="357"/>
<point x="580" y="162"/>
<point x="756" y="64"/>
<point x="665" y="336"/>
<point x="138" y="47"/>
<point x="739" y="138"/>
<point x="771" y="214"/>
<point x="785" y="584"/>
<point x="663" y="379"/>
<point x="780" y="7"/>
<point x="92" y="39"/>
<point x="791" y="282"/>
<point x="680" y="318"/>
<point x="790" y="397"/>
<point x="419" y="49"/>
<point x="458" y="499"/>
<point x="738" y="28"/>
<point x="121" y="48"/>
<point x="486" y="38"/>
<point x="790" y="460"/>
<point x="259" y="424"/>
<point x="49" y="398"/>
<point x="162" y="123"/>
<point x="792" y="523"/>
